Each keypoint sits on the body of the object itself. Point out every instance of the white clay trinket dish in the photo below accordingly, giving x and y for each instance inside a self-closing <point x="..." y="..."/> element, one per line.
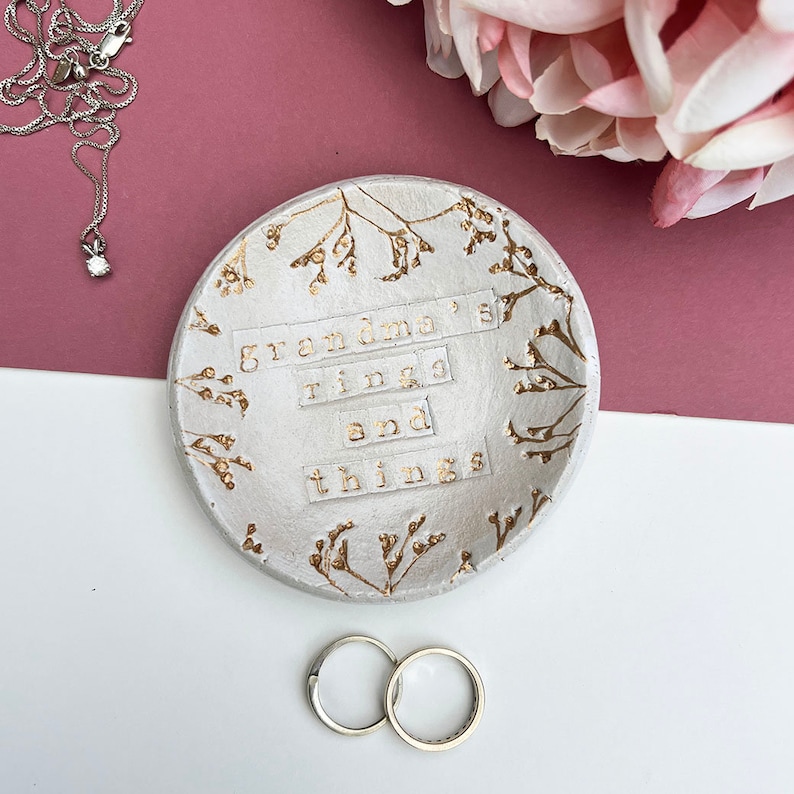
<point x="379" y="388"/>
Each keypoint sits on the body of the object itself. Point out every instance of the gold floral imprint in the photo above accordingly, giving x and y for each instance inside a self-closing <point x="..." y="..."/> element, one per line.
<point x="197" y="384"/>
<point x="331" y="558"/>
<point x="201" y="323"/>
<point x="208" y="449"/>
<point x="234" y="278"/>
<point x="465" y="565"/>
<point x="249" y="544"/>
<point x="504" y="526"/>
<point x="337" y="245"/>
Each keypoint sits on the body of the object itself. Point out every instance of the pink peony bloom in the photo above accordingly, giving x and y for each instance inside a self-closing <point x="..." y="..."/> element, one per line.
<point x="710" y="82"/>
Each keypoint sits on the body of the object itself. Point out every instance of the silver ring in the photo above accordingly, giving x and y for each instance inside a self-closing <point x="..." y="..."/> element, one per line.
<point x="313" y="686"/>
<point x="459" y="736"/>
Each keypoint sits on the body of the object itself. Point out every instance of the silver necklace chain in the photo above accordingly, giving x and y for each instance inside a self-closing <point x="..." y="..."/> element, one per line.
<point x="91" y="102"/>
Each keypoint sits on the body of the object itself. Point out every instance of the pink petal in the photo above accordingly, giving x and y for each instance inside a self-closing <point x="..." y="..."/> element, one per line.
<point x="444" y="65"/>
<point x="692" y="53"/>
<point x="482" y="68"/>
<point x="584" y="151"/>
<point x="545" y="49"/>
<point x="553" y="16"/>
<point x="783" y="103"/>
<point x="644" y="20"/>
<point x="626" y="97"/>
<point x="640" y="138"/>
<point x="441" y="9"/>
<point x="450" y="67"/>
<point x="559" y="89"/>
<point x="573" y="130"/>
<point x="490" y="32"/>
<point x="749" y="145"/>
<point x="777" y="14"/>
<point x="514" y="61"/>
<point x="608" y="145"/>
<point x="520" y="39"/>
<point x="618" y="154"/>
<point x="464" y="25"/>
<point x="759" y="64"/>
<point x="509" y="110"/>
<point x="678" y="189"/>
<point x="737" y="186"/>
<point x="490" y="72"/>
<point x="743" y="14"/>
<point x="606" y="139"/>
<point x="442" y="58"/>
<point x="436" y="39"/>
<point x="601" y="56"/>
<point x="779" y="184"/>
<point x="591" y="65"/>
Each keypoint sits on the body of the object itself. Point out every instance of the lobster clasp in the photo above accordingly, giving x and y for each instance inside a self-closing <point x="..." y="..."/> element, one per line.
<point x="114" y="40"/>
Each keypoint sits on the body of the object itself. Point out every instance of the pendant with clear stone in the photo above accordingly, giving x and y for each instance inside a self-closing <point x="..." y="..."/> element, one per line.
<point x="96" y="263"/>
<point x="98" y="266"/>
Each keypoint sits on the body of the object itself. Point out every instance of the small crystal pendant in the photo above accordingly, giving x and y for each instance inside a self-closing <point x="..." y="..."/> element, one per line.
<point x="96" y="263"/>
<point x="98" y="266"/>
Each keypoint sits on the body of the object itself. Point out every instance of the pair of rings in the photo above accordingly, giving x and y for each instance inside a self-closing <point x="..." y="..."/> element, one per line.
<point x="393" y="693"/>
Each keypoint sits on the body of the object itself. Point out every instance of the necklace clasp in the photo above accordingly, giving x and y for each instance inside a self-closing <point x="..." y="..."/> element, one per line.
<point x="114" y="40"/>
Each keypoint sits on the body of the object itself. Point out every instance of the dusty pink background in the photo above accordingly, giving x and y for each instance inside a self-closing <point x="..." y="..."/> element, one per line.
<point x="244" y="107"/>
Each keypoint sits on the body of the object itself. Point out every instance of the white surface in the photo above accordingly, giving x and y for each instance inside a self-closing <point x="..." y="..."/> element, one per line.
<point x="640" y="642"/>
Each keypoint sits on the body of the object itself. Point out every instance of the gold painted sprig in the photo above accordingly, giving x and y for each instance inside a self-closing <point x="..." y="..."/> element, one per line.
<point x="540" y="376"/>
<point x="518" y="260"/>
<point x="204" y="450"/>
<point x="197" y="383"/>
<point x="554" y="329"/>
<point x="249" y="544"/>
<point x="343" y="248"/>
<point x="406" y="243"/>
<point x="541" y="435"/>
<point x="234" y="278"/>
<point x="475" y="215"/>
<point x="465" y="565"/>
<point x="506" y="525"/>
<point x="332" y="557"/>
<point x="544" y="377"/>
<point x="201" y="323"/>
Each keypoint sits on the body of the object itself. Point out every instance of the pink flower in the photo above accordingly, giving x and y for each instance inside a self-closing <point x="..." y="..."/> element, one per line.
<point x="710" y="82"/>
